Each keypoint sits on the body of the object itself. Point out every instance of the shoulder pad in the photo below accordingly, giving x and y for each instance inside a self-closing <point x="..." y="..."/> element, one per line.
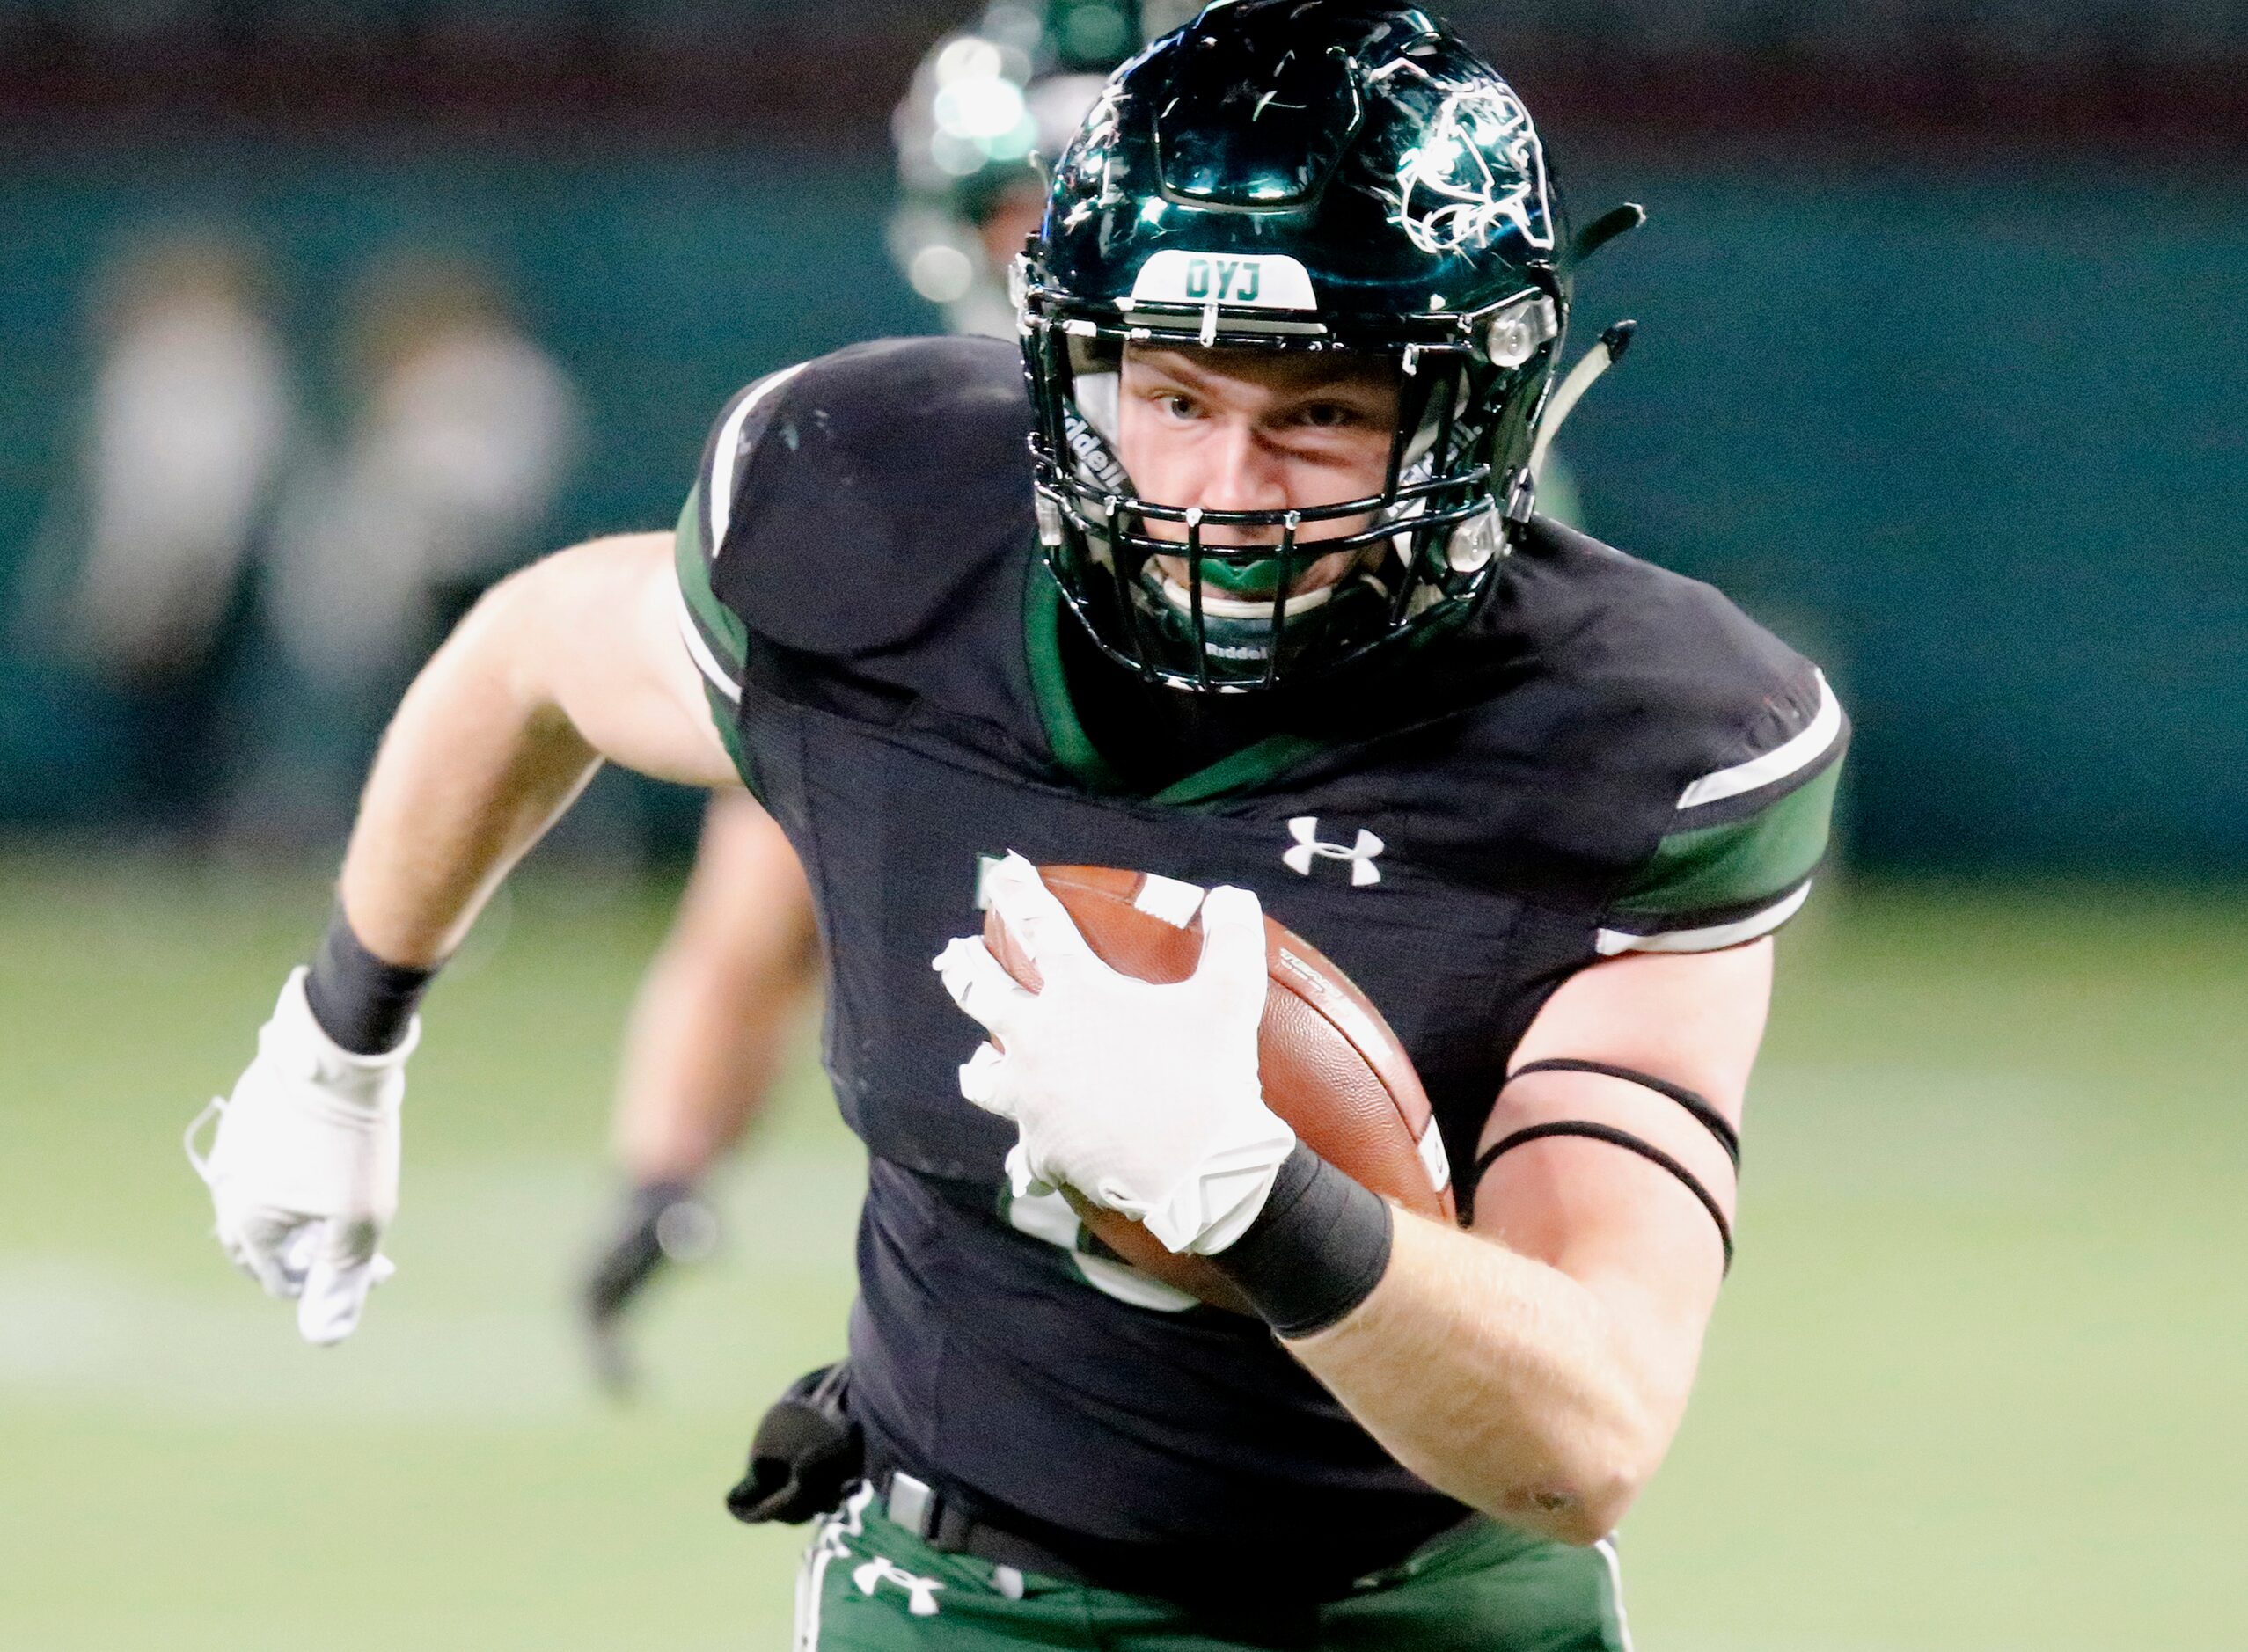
<point x="1665" y="675"/>
<point x="850" y="499"/>
<point x="1727" y="741"/>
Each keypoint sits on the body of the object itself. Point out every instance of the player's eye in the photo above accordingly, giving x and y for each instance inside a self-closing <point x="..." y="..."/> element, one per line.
<point x="1177" y="405"/>
<point x="1327" y="415"/>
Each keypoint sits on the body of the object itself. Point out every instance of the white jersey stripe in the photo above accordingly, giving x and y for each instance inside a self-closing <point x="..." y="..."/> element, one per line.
<point x="706" y="661"/>
<point x="1803" y="750"/>
<point x="1612" y="941"/>
<point x="1607" y="1547"/>
<point x="727" y="456"/>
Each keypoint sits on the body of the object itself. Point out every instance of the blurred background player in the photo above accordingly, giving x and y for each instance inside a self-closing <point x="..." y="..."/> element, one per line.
<point x="732" y="982"/>
<point x="463" y="429"/>
<point x="252" y="594"/>
<point x="191" y="418"/>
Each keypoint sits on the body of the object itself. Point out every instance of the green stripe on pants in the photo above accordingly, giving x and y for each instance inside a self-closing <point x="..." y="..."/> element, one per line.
<point x="869" y="1585"/>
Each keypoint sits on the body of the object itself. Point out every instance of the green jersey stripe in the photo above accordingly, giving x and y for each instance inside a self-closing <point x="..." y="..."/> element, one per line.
<point x="730" y="734"/>
<point x="715" y="635"/>
<point x="1709" y="870"/>
<point x="715" y="678"/>
<point x="1243" y="771"/>
<point x="1705" y="937"/>
<point x="1073" y="749"/>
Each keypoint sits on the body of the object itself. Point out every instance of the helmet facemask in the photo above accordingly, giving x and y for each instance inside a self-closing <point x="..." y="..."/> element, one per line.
<point x="1229" y="618"/>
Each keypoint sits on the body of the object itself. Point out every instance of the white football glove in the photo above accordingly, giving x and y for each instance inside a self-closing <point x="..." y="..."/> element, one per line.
<point x="1143" y="1098"/>
<point x="303" y="1168"/>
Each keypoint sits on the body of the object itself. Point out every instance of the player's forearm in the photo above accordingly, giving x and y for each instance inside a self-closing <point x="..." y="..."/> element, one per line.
<point x="720" y="1002"/>
<point x="478" y="762"/>
<point x="700" y="1054"/>
<point x="1497" y="1380"/>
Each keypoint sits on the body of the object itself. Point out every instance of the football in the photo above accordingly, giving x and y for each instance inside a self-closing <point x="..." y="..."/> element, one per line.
<point x="1329" y="1062"/>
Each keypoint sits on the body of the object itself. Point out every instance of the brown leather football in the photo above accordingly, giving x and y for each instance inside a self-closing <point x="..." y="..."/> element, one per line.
<point x="1329" y="1062"/>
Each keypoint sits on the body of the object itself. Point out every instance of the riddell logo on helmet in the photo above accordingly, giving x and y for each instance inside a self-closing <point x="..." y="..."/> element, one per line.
<point x="1093" y="453"/>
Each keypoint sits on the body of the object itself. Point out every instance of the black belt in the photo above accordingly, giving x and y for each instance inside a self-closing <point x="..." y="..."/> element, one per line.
<point x="948" y="1523"/>
<point x="956" y="1525"/>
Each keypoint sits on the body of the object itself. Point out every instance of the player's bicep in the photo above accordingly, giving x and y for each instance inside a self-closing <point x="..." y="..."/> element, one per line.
<point x="1626" y="1186"/>
<point x="611" y="656"/>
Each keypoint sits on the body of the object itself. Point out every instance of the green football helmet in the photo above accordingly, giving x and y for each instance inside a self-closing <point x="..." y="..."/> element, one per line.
<point x="1299" y="175"/>
<point x="985" y="107"/>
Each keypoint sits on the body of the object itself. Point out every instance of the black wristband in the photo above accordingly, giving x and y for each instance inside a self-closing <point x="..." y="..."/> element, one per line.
<point x="365" y="1003"/>
<point x="1317" y="1249"/>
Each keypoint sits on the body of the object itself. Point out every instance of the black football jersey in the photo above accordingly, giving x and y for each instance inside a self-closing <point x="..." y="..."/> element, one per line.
<point x="1605" y="757"/>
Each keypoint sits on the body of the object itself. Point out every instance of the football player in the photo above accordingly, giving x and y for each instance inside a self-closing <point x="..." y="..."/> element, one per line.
<point x="733" y="979"/>
<point x="1270" y="611"/>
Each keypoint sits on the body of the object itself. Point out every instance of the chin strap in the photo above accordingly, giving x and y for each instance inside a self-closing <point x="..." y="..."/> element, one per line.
<point x="1603" y="355"/>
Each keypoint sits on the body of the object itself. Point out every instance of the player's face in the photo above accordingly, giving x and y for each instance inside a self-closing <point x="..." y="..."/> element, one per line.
<point x="1255" y="430"/>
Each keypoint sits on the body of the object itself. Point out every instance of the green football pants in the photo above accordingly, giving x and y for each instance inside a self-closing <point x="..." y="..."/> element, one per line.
<point x="870" y="1585"/>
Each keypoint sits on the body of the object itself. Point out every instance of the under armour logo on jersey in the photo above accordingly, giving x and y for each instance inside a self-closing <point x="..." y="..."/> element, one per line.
<point x="920" y="1592"/>
<point x="1305" y="829"/>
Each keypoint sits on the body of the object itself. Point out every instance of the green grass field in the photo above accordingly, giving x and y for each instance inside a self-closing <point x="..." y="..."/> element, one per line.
<point x="1973" y="1383"/>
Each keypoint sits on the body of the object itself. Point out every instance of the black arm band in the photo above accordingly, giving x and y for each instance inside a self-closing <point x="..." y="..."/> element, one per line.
<point x="1647" y="1151"/>
<point x="1317" y="1249"/>
<point x="1708" y="1116"/>
<point x="365" y="1003"/>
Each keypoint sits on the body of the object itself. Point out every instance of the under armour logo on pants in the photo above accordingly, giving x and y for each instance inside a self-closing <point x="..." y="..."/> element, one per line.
<point x="920" y="1592"/>
<point x="1305" y="829"/>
